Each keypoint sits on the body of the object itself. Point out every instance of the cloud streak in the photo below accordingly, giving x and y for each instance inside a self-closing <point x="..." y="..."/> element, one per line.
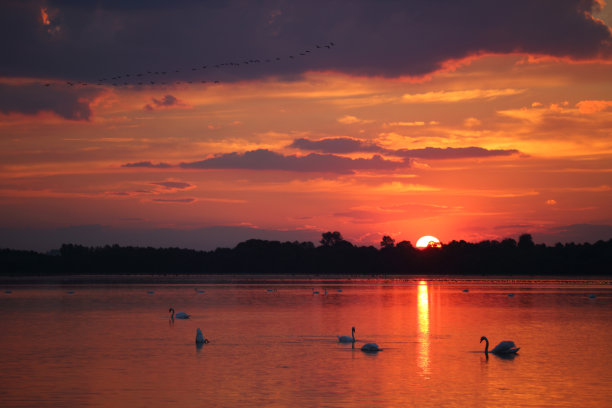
<point x="263" y="159"/>
<point x="344" y="145"/>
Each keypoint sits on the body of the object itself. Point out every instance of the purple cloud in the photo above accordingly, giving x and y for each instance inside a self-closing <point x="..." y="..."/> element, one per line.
<point x="93" y="39"/>
<point x="174" y="200"/>
<point x="436" y="153"/>
<point x="30" y="99"/>
<point x="264" y="159"/>
<point x="349" y="145"/>
<point x="147" y="164"/>
<point x="167" y="101"/>
<point x="171" y="185"/>
<point x="336" y="145"/>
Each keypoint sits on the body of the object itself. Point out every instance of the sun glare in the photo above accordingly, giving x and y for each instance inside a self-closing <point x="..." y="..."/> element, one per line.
<point x="428" y="241"/>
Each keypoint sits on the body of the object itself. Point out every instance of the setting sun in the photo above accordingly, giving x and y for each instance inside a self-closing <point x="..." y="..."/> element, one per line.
<point x="428" y="241"/>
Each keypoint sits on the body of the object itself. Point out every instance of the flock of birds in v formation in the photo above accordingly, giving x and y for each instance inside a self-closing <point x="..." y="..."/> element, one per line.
<point x="146" y="77"/>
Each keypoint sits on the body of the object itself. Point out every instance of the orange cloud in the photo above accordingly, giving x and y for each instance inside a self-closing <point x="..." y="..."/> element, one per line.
<point x="588" y="107"/>
<point x="457" y="96"/>
<point x="45" y="16"/>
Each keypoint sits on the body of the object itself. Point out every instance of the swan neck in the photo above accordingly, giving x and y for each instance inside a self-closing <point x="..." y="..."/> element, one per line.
<point x="486" y="346"/>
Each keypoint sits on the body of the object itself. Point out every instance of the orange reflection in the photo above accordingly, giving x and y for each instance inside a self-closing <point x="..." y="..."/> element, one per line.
<point x="423" y="325"/>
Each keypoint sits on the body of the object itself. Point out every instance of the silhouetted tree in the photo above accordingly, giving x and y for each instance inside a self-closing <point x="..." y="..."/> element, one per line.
<point x="387" y="242"/>
<point x="525" y="241"/>
<point x="330" y="239"/>
<point x="405" y="245"/>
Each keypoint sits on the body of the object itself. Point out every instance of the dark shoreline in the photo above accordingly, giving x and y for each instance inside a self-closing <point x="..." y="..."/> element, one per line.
<point x="335" y="257"/>
<point x="245" y="279"/>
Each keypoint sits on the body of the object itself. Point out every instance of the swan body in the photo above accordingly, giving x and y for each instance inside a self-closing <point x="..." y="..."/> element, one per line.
<point x="370" y="348"/>
<point x="200" y="337"/>
<point x="347" y="339"/>
<point x="179" y="315"/>
<point x="504" y="347"/>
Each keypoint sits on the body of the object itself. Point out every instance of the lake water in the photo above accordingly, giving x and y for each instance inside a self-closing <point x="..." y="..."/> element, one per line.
<point x="274" y="344"/>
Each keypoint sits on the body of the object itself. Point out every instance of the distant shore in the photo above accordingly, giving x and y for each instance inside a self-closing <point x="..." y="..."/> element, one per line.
<point x="291" y="279"/>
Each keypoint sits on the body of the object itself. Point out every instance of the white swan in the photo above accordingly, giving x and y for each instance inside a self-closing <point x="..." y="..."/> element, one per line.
<point x="370" y="348"/>
<point x="348" y="339"/>
<point x="179" y="315"/>
<point x="505" y="347"/>
<point x="200" y="337"/>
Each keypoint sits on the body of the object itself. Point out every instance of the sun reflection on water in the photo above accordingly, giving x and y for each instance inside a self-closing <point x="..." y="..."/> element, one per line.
<point x="423" y="326"/>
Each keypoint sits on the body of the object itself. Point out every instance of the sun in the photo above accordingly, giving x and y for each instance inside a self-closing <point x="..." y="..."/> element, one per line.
<point x="428" y="241"/>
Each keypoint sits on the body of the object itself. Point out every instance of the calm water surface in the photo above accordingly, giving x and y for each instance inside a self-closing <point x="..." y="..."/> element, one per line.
<point x="274" y="344"/>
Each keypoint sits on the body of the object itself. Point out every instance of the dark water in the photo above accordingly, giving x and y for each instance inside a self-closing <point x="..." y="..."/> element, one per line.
<point x="274" y="344"/>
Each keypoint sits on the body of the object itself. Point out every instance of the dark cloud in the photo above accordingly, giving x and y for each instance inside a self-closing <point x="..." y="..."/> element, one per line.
<point x="179" y="185"/>
<point x="264" y="159"/>
<point x="30" y="99"/>
<point x="436" y="153"/>
<point x="336" y="145"/>
<point x="349" y="145"/>
<point x="174" y="200"/>
<point x="577" y="233"/>
<point x="90" y="39"/>
<point x="147" y="164"/>
<point x="167" y="101"/>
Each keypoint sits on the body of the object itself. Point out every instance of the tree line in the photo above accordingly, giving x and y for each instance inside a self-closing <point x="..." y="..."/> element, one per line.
<point x="333" y="256"/>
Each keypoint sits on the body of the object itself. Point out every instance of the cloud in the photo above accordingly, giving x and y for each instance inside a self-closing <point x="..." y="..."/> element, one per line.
<point x="343" y="145"/>
<point x="394" y="38"/>
<point x="587" y="107"/>
<point x="578" y="233"/>
<point x="174" y="200"/>
<point x="350" y="120"/>
<point x="436" y="153"/>
<point x="147" y="164"/>
<point x="66" y="102"/>
<point x="173" y="185"/>
<point x="264" y="159"/>
<point x="457" y="96"/>
<point x="166" y="102"/>
<point x="336" y="145"/>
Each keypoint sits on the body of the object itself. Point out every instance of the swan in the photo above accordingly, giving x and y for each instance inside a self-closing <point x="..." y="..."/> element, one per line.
<point x="505" y="347"/>
<point x="179" y="315"/>
<point x="370" y="348"/>
<point x="200" y="337"/>
<point x="347" y="339"/>
<point x="315" y="292"/>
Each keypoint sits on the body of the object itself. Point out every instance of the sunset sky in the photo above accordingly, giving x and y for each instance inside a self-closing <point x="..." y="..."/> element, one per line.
<point x="464" y="120"/>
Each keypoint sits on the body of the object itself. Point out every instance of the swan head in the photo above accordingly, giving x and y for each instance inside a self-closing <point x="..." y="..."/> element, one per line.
<point x="171" y="310"/>
<point x="483" y="338"/>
